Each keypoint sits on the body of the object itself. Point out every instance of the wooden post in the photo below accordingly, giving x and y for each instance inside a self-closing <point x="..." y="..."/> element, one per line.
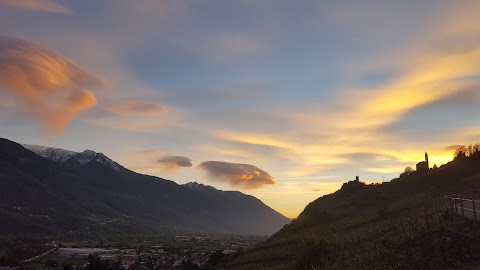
<point x="474" y="213"/>
<point x="461" y="207"/>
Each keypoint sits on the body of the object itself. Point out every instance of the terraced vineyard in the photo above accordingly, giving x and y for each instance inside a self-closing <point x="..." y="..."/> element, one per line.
<point x="335" y="231"/>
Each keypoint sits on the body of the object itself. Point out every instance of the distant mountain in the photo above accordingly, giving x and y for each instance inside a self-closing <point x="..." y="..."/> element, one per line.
<point x="51" y="190"/>
<point x="199" y="187"/>
<point x="71" y="158"/>
<point x="55" y="154"/>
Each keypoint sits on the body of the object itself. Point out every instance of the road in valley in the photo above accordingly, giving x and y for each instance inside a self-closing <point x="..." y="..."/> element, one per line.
<point x="41" y="255"/>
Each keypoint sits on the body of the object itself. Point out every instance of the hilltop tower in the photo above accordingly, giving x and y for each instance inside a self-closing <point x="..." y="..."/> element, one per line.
<point x="423" y="166"/>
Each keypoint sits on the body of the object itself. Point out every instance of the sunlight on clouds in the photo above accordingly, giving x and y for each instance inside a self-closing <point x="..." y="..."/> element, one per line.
<point x="222" y="151"/>
<point x="137" y="124"/>
<point x="307" y="132"/>
<point x="265" y="139"/>
<point x="47" y="86"/>
<point x="392" y="169"/>
<point x="36" y="5"/>
<point x="146" y="168"/>
<point x="355" y="125"/>
<point x="439" y="77"/>
<point x="468" y="133"/>
<point x="290" y="198"/>
<point x="244" y="176"/>
<point x="139" y="117"/>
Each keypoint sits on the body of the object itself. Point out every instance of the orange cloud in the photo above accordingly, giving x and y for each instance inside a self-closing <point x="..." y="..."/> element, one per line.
<point x="430" y="79"/>
<point x="242" y="175"/>
<point x="137" y="108"/>
<point x="36" y="5"/>
<point x="46" y="85"/>
<point x="60" y="117"/>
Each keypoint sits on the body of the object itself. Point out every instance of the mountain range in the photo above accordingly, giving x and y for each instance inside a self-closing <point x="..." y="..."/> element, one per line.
<point x="47" y="190"/>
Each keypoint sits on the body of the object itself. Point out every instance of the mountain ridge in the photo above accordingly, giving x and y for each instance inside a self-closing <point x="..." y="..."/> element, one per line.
<point x="70" y="194"/>
<point x="73" y="158"/>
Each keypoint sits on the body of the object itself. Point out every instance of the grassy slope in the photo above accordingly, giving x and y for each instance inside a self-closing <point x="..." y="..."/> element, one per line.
<point x="355" y="207"/>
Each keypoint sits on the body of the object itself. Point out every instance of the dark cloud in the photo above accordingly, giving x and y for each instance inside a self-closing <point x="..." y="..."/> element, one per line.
<point x="242" y="175"/>
<point x="137" y="108"/>
<point x="46" y="85"/>
<point x="171" y="163"/>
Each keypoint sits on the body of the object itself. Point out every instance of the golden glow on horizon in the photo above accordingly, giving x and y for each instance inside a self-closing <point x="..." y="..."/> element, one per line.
<point x="328" y="132"/>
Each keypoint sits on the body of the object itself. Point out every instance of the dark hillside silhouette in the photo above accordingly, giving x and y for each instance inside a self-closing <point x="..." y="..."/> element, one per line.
<point x="41" y="196"/>
<point x="358" y="207"/>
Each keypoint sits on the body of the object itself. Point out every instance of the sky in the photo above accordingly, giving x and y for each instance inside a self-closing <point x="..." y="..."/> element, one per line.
<point x="282" y="100"/>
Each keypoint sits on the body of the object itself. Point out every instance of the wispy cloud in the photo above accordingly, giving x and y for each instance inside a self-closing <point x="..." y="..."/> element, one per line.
<point x="137" y="108"/>
<point x="36" y="5"/>
<point x="47" y="86"/>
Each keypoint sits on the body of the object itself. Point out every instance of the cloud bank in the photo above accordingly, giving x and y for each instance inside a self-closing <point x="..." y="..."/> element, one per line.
<point x="239" y="175"/>
<point x="171" y="163"/>
<point x="47" y="86"/>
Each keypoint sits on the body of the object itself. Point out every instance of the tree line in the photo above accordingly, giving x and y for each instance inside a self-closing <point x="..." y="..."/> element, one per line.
<point x="465" y="151"/>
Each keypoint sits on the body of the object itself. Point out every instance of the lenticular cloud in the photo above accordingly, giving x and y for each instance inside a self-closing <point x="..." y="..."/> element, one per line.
<point x="171" y="163"/>
<point x="242" y="175"/>
<point x="46" y="85"/>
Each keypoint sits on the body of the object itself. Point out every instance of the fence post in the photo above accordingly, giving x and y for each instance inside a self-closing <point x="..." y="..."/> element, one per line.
<point x="461" y="207"/>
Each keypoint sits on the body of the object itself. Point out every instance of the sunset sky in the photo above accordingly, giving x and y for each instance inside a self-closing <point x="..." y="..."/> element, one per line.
<point x="283" y="100"/>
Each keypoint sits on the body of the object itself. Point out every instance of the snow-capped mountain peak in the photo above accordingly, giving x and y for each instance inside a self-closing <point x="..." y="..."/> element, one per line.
<point x="55" y="154"/>
<point x="198" y="186"/>
<point x="107" y="161"/>
<point x="84" y="157"/>
<point x="71" y="157"/>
